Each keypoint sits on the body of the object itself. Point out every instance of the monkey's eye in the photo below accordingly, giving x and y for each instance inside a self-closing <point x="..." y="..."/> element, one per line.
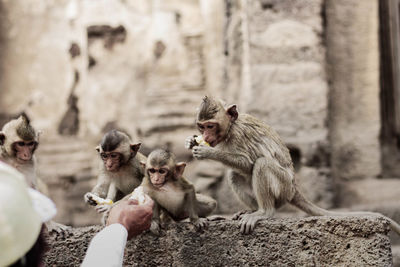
<point x="21" y="143"/>
<point x="162" y="171"/>
<point x="201" y="127"/>
<point x="210" y="126"/>
<point x="114" y="155"/>
<point x="152" y="170"/>
<point x="103" y="155"/>
<point x="30" y="144"/>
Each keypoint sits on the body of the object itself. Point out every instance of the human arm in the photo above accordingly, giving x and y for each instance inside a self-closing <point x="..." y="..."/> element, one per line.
<point x="125" y="220"/>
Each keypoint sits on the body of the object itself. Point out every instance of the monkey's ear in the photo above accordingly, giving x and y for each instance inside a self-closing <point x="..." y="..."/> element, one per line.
<point x="98" y="148"/>
<point x="232" y="112"/>
<point x="179" y="168"/>
<point x="135" y="148"/>
<point x="2" y="138"/>
<point x="143" y="164"/>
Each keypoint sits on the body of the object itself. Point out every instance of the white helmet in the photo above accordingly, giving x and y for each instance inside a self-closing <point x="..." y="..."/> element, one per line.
<point x="22" y="213"/>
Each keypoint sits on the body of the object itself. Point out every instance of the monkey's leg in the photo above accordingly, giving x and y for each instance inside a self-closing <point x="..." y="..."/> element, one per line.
<point x="205" y="205"/>
<point x="267" y="188"/>
<point x="242" y="188"/>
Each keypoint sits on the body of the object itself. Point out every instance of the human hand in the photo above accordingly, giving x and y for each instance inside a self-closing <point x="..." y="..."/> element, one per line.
<point x="135" y="218"/>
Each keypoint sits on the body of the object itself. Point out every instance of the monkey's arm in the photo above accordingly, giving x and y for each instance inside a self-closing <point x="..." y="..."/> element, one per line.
<point x="102" y="186"/>
<point x="191" y="201"/>
<point x="232" y="160"/>
<point x="112" y="192"/>
<point x="155" y="222"/>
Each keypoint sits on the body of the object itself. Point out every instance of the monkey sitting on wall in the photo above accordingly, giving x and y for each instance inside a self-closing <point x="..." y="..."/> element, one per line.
<point x="18" y="143"/>
<point x="120" y="171"/>
<point x="174" y="196"/>
<point x="262" y="174"/>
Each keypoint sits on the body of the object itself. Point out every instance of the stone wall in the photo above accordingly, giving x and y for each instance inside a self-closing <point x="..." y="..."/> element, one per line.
<point x="324" y="241"/>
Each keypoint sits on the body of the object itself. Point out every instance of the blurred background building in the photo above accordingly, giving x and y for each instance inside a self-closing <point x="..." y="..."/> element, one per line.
<point x="323" y="73"/>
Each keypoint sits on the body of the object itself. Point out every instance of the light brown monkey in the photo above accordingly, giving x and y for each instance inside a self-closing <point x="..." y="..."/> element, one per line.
<point x="261" y="174"/>
<point x="174" y="196"/>
<point x="18" y="143"/>
<point x="120" y="171"/>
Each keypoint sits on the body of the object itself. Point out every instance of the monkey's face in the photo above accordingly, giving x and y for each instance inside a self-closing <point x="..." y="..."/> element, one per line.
<point x="158" y="176"/>
<point x="211" y="132"/>
<point x="24" y="150"/>
<point x="112" y="160"/>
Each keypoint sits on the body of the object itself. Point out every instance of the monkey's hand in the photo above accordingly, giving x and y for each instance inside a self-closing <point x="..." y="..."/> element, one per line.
<point x="202" y="152"/>
<point x="190" y="142"/>
<point x="238" y="215"/>
<point x="155" y="227"/>
<point x="101" y="208"/>
<point x="200" y="223"/>
<point x="94" y="200"/>
<point x="88" y="197"/>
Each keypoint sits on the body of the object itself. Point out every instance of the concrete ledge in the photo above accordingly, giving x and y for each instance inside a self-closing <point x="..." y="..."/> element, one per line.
<point x="312" y="241"/>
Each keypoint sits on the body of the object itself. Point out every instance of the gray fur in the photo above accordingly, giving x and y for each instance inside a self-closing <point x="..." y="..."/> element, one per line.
<point x="262" y="170"/>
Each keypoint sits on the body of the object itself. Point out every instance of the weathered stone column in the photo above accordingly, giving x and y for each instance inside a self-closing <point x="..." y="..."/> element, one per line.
<point x="353" y="68"/>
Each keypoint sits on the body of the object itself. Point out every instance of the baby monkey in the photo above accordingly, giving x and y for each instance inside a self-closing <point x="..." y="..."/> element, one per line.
<point x="172" y="193"/>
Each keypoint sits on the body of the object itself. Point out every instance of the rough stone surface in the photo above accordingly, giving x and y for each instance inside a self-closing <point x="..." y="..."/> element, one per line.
<point x="324" y="241"/>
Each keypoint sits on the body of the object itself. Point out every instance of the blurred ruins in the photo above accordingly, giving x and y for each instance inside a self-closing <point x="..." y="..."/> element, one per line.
<point x="324" y="74"/>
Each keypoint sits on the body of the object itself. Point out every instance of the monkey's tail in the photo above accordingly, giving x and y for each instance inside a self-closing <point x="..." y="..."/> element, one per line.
<point x="310" y="208"/>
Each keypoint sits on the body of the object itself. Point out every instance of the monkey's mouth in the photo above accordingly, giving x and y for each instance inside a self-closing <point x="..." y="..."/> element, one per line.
<point x="214" y="143"/>
<point x="112" y="169"/>
<point x="24" y="160"/>
<point x="160" y="184"/>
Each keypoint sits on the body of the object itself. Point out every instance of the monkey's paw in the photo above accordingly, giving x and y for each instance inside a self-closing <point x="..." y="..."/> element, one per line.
<point x="238" y="215"/>
<point x="60" y="229"/>
<point x="190" y="142"/>
<point x="88" y="197"/>
<point x="102" y="208"/>
<point x="200" y="223"/>
<point x="249" y="221"/>
<point x="202" y="152"/>
<point x="155" y="228"/>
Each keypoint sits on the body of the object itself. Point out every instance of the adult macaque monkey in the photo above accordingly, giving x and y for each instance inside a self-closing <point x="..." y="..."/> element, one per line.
<point x="120" y="171"/>
<point x="262" y="173"/>
<point x="173" y="195"/>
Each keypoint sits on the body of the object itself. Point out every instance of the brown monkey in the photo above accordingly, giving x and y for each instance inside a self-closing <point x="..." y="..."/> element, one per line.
<point x="18" y="142"/>
<point x="172" y="193"/>
<point x="262" y="174"/>
<point x="120" y="171"/>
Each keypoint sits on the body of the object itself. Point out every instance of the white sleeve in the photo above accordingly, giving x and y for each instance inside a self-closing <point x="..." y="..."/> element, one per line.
<point x="107" y="247"/>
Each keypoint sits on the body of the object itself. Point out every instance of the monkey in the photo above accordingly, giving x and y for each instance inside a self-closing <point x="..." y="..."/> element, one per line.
<point x="261" y="170"/>
<point x="120" y="171"/>
<point x="174" y="196"/>
<point x="18" y="143"/>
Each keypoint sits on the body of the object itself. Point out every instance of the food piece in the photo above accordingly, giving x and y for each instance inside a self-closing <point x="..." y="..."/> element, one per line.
<point x="96" y="200"/>
<point x="138" y="194"/>
<point x="200" y="141"/>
